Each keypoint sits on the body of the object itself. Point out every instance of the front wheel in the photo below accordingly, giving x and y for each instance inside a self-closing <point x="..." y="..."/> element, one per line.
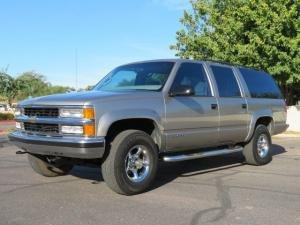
<point x="43" y="166"/>
<point x="131" y="164"/>
<point x="257" y="151"/>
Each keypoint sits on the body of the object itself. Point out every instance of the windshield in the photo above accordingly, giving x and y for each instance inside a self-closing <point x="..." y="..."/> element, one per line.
<point x="141" y="76"/>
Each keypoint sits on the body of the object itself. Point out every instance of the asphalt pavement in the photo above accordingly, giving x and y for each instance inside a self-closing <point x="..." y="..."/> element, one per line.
<point x="218" y="190"/>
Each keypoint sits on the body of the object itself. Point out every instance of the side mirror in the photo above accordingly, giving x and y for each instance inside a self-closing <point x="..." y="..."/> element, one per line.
<point x="182" y="90"/>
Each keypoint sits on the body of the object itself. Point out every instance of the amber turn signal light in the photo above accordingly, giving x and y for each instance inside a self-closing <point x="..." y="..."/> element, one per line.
<point x="89" y="113"/>
<point x="89" y="130"/>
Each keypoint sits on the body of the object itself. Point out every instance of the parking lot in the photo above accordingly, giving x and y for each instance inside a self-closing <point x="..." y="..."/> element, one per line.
<point x="218" y="190"/>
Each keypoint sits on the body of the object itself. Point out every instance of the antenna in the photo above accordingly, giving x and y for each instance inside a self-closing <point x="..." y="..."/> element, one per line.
<point x="76" y="68"/>
<point x="6" y="68"/>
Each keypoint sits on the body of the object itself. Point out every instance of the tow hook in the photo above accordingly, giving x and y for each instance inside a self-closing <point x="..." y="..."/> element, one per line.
<point x="21" y="152"/>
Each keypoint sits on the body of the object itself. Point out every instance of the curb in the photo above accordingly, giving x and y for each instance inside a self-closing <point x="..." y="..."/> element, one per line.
<point x="285" y="135"/>
<point x="7" y="121"/>
<point x="4" y="133"/>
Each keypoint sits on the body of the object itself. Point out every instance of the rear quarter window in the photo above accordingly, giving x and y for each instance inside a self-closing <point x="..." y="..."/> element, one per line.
<point x="260" y="84"/>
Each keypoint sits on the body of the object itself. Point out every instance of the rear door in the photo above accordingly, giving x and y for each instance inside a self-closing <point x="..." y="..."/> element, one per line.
<point x="192" y="121"/>
<point x="234" y="118"/>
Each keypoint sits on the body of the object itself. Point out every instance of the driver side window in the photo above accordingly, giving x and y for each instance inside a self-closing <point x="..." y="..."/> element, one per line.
<point x="193" y="75"/>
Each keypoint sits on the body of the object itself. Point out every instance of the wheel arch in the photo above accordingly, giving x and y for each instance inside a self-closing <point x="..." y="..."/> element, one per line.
<point x="113" y="123"/>
<point x="264" y="117"/>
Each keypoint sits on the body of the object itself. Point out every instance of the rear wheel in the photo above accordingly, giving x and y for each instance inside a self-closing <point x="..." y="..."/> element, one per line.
<point x="257" y="151"/>
<point x="49" y="166"/>
<point x="131" y="164"/>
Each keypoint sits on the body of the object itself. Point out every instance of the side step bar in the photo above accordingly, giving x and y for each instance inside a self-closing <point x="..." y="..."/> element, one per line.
<point x="176" y="158"/>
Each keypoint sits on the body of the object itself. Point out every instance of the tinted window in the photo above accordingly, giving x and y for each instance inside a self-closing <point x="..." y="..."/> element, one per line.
<point x="193" y="74"/>
<point x="226" y="81"/>
<point x="260" y="84"/>
<point x="139" y="76"/>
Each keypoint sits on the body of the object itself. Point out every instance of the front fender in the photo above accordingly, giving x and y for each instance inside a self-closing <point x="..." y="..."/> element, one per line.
<point x="108" y="118"/>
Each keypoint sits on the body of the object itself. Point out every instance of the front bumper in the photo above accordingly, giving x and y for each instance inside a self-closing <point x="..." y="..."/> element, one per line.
<point x="79" y="147"/>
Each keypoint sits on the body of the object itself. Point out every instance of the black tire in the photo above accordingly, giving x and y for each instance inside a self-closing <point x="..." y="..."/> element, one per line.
<point x="251" y="150"/>
<point x="41" y="166"/>
<point x="113" y="168"/>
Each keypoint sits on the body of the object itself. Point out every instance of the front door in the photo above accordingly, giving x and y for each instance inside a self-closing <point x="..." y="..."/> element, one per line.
<point x="191" y="121"/>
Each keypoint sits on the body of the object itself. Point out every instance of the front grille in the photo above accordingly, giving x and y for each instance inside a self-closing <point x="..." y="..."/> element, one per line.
<point x="41" y="127"/>
<point x="41" y="112"/>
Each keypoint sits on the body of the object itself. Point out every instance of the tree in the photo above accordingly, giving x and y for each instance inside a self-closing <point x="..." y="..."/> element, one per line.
<point x="89" y="87"/>
<point x="264" y="34"/>
<point x="32" y="84"/>
<point x="57" y="89"/>
<point x="9" y="87"/>
<point x="28" y="84"/>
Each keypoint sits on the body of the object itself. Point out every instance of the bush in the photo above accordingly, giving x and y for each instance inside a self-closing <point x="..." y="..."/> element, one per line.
<point x="7" y="116"/>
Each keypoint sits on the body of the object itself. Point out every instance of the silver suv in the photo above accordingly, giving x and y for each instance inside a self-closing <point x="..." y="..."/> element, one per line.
<point x="141" y="112"/>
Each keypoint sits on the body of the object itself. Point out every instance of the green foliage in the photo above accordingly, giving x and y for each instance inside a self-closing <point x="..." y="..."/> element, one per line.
<point x="57" y="89"/>
<point x="8" y="87"/>
<point x="35" y="84"/>
<point x="89" y="87"/>
<point x="263" y="34"/>
<point x="28" y="84"/>
<point x="7" y="116"/>
<point x="32" y="84"/>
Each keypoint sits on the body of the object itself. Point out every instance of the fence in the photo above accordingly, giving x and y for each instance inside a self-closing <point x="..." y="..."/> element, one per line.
<point x="293" y="118"/>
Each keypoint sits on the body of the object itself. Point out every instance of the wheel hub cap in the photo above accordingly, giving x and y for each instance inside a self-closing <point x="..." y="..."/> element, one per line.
<point x="137" y="163"/>
<point x="263" y="145"/>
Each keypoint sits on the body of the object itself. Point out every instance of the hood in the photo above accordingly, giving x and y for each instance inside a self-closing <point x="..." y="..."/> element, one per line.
<point x="84" y="98"/>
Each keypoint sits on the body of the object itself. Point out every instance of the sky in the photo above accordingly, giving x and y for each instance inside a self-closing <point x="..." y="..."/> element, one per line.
<point x="45" y="36"/>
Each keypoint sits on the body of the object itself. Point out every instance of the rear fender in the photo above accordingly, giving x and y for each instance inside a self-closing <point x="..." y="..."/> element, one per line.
<point x="255" y="116"/>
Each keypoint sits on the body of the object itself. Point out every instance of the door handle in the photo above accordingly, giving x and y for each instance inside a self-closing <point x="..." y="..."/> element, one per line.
<point x="214" y="106"/>
<point x="244" y="106"/>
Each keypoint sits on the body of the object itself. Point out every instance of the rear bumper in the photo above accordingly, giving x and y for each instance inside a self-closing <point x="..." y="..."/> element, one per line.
<point x="280" y="128"/>
<point x="85" y="148"/>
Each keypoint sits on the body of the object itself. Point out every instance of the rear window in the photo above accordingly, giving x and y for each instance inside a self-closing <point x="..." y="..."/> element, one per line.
<point x="226" y="81"/>
<point x="260" y="84"/>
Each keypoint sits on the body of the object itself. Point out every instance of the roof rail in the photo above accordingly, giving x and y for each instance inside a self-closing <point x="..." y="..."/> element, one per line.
<point x="234" y="64"/>
<point x="223" y="62"/>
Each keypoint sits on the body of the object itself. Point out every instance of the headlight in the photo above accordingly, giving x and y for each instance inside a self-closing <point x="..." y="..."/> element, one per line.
<point x="72" y="129"/>
<point x="18" y="111"/>
<point x="87" y="113"/>
<point x="72" y="113"/>
<point x="18" y="125"/>
<point x="86" y="130"/>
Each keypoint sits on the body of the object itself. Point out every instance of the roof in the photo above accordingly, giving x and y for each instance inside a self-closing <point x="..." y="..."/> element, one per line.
<point x="179" y="60"/>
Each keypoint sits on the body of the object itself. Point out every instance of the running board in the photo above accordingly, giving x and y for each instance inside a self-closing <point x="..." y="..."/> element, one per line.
<point x="176" y="158"/>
